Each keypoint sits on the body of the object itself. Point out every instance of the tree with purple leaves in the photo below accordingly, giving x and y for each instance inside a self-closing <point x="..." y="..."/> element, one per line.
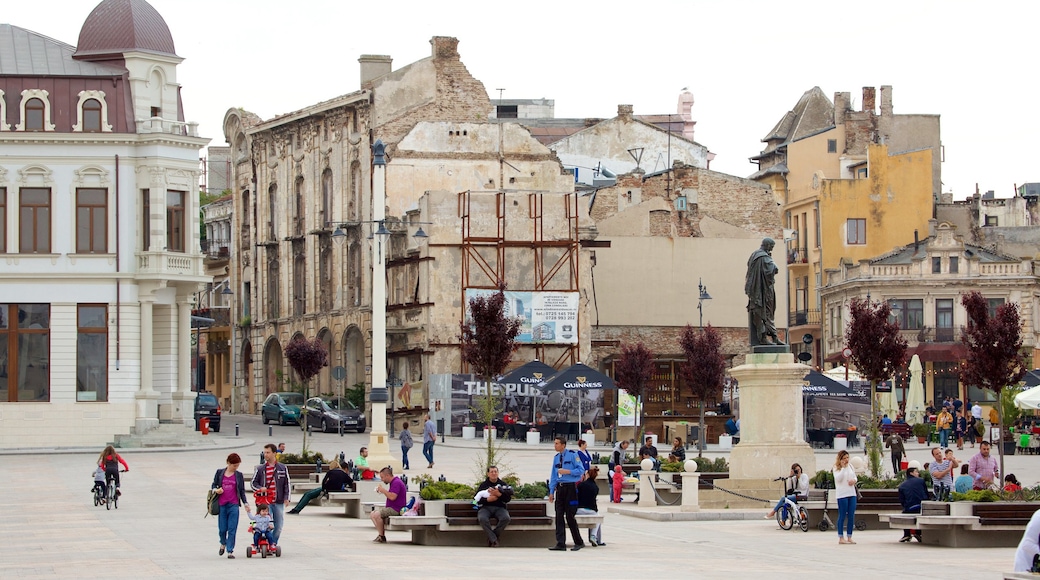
<point x="632" y="372"/>
<point x="488" y="339"/>
<point x="307" y="358"/>
<point x="995" y="359"/>
<point x="878" y="351"/>
<point x="704" y="369"/>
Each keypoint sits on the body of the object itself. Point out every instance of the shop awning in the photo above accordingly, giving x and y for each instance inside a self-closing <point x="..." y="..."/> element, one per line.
<point x="939" y="352"/>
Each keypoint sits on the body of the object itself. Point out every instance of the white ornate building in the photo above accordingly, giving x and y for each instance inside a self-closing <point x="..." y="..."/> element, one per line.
<point x="98" y="193"/>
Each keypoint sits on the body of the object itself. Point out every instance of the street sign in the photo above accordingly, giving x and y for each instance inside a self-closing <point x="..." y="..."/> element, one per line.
<point x="804" y="357"/>
<point x="807" y="338"/>
<point x="339" y="373"/>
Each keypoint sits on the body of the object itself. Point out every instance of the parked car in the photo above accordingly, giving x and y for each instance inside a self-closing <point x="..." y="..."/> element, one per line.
<point x="206" y="405"/>
<point x="329" y="412"/>
<point x="282" y="407"/>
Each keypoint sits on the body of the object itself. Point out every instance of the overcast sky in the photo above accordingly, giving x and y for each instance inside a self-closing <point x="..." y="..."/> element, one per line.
<point x="746" y="62"/>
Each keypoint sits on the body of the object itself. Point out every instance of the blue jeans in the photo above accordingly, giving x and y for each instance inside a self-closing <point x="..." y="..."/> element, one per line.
<point x="944" y="437"/>
<point x="264" y="534"/>
<point x="427" y="451"/>
<point x="846" y="515"/>
<point x="404" y="457"/>
<point x="278" y="515"/>
<point x="227" y="525"/>
<point x="780" y="503"/>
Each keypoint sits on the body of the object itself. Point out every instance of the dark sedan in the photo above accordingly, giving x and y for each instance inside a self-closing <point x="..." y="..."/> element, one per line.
<point x="330" y="412"/>
<point x="282" y="407"/>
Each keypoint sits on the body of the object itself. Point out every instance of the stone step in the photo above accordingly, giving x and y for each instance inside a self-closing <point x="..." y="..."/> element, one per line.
<point x="165" y="435"/>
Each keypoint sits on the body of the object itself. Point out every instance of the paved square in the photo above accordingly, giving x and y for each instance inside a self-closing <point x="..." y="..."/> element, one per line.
<point x="49" y="527"/>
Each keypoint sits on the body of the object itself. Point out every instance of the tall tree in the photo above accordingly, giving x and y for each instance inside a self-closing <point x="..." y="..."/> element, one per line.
<point x="704" y="369"/>
<point x="632" y="372"/>
<point x="488" y="339"/>
<point x="995" y="358"/>
<point x="878" y="350"/>
<point x="307" y="358"/>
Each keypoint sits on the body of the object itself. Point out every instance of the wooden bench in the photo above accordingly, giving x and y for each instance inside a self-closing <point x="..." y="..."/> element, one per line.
<point x="871" y="506"/>
<point x="902" y="429"/>
<point x="304" y="471"/>
<point x="968" y="524"/>
<point x="454" y="523"/>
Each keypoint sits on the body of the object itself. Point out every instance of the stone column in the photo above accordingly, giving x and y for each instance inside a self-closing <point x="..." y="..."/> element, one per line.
<point x="772" y="429"/>
<point x="183" y="398"/>
<point x="146" y="398"/>
<point x="690" y="493"/>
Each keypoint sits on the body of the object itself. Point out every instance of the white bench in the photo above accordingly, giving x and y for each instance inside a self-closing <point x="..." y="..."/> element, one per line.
<point x="443" y="527"/>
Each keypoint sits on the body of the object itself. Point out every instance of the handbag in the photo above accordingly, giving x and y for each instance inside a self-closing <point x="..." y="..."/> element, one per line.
<point x="212" y="503"/>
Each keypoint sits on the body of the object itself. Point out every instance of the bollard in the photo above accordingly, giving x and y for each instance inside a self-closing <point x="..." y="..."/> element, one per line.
<point x="270" y="431"/>
<point x="341" y="428"/>
<point x="342" y="458"/>
<point x="236" y="429"/>
<point x="317" y="465"/>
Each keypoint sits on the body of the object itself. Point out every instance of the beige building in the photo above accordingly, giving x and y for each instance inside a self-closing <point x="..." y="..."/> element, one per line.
<point x="923" y="282"/>
<point x="301" y="257"/>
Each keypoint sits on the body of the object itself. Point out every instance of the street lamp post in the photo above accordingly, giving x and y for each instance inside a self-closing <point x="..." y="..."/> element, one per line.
<point x="701" y="297"/>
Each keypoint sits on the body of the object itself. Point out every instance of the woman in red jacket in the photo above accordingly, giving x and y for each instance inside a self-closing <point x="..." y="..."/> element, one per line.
<point x="110" y="461"/>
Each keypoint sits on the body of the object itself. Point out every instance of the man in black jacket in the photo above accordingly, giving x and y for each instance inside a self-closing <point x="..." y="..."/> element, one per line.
<point x="494" y="505"/>
<point x="912" y="492"/>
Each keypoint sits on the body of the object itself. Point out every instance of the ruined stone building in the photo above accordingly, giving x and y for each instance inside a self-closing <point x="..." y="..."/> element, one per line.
<point x="596" y="150"/>
<point x="98" y="193"/>
<point x="923" y="282"/>
<point x="851" y="184"/>
<point x="301" y="254"/>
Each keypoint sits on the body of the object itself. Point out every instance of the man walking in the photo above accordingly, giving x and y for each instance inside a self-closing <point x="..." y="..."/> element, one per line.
<point x="274" y="477"/>
<point x="983" y="468"/>
<point x="563" y="490"/>
<point x="429" y="437"/>
<point x="895" y="442"/>
<point x="494" y="506"/>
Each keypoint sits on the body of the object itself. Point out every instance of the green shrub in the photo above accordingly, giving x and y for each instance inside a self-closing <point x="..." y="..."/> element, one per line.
<point x="705" y="465"/>
<point x="979" y="495"/>
<point x="671" y="467"/>
<point x="867" y="482"/>
<point x="537" y="490"/>
<point x="823" y="479"/>
<point x="307" y="457"/>
<point x="447" y="490"/>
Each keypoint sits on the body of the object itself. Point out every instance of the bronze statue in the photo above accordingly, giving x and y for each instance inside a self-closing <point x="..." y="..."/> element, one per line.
<point x="758" y="286"/>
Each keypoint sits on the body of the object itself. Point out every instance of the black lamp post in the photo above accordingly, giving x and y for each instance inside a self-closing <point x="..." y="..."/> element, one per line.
<point x="702" y="296"/>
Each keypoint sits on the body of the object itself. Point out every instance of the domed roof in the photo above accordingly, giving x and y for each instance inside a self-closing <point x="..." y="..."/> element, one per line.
<point x="118" y="26"/>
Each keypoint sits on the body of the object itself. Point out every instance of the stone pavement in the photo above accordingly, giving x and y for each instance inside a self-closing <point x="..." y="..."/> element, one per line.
<point x="50" y="528"/>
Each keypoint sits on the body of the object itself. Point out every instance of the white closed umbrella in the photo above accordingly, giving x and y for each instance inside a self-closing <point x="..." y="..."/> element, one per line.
<point x="1028" y="399"/>
<point x="915" y="393"/>
<point x="889" y="404"/>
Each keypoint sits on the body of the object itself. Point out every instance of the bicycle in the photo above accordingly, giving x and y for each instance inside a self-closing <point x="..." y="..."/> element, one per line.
<point x="113" y="493"/>
<point x="99" y="496"/>
<point x="790" y="510"/>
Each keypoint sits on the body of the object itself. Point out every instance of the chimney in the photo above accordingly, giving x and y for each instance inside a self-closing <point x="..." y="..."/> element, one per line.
<point x="841" y="105"/>
<point x="624" y="112"/>
<point x="868" y="99"/>
<point x="445" y="47"/>
<point x="374" y="66"/>
<point x="886" y="100"/>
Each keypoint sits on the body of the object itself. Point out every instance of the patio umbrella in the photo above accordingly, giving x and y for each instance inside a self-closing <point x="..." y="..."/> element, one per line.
<point x="817" y="383"/>
<point x="1028" y="399"/>
<point x="578" y="377"/>
<point x="530" y="373"/>
<point x="915" y="393"/>
<point x="838" y="373"/>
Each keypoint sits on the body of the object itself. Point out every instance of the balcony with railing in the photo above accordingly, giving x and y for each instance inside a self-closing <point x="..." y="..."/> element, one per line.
<point x="797" y="255"/>
<point x="216" y="249"/>
<point x="168" y="265"/>
<point x="803" y="318"/>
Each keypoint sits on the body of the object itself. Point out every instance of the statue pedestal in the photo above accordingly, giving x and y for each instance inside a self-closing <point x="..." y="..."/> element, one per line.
<point x="772" y="424"/>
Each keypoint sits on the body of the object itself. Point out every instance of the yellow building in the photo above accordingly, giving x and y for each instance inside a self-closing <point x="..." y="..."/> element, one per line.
<point x="851" y="184"/>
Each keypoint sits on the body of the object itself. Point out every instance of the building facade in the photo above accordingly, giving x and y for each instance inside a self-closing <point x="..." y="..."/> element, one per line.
<point x="923" y="282"/>
<point x="822" y="147"/>
<point x="98" y="186"/>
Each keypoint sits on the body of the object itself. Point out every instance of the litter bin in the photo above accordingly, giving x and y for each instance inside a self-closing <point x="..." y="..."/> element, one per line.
<point x="533" y="437"/>
<point x="840" y="442"/>
<point x="204" y="425"/>
<point x="725" y="442"/>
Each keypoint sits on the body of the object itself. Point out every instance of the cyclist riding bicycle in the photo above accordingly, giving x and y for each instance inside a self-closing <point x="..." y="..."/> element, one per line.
<point x="110" y="461"/>
<point x="99" y="483"/>
<point x="797" y="485"/>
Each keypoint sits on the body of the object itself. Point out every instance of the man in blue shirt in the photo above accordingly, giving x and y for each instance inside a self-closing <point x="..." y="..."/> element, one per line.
<point x="563" y="490"/>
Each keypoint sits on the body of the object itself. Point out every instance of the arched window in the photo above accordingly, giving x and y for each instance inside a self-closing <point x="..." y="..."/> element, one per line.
<point x="91" y="116"/>
<point x="34" y="115"/>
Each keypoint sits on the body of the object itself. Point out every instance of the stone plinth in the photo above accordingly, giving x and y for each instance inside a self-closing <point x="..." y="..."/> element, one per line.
<point x="772" y="429"/>
<point x="691" y="501"/>
<point x="646" y="488"/>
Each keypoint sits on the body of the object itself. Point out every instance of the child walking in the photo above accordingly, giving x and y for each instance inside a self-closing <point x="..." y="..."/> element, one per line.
<point x="615" y="486"/>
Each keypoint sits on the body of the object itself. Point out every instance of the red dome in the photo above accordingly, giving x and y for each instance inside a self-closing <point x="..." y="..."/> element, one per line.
<point x="118" y="26"/>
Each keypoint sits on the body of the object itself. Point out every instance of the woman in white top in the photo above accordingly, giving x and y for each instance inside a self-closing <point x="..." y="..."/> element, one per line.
<point x="845" y="490"/>
<point x="798" y="484"/>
